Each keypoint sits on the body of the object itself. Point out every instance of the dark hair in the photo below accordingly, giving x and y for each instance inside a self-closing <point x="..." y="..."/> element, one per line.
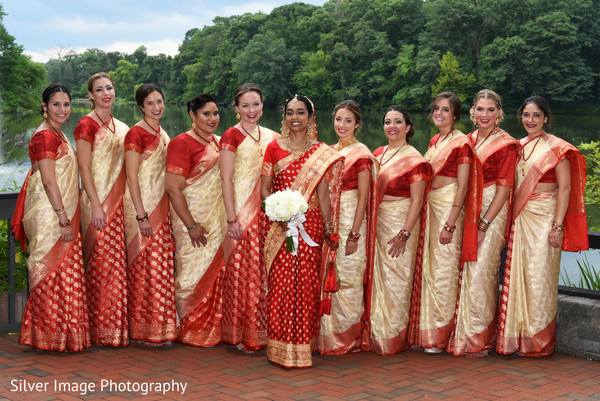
<point x="541" y="103"/>
<point x="455" y="104"/>
<point x="245" y="88"/>
<point x="51" y="90"/>
<point x="407" y="119"/>
<point x="144" y="90"/>
<point x="303" y="99"/>
<point x="94" y="78"/>
<point x="200" y="101"/>
<point x="352" y="106"/>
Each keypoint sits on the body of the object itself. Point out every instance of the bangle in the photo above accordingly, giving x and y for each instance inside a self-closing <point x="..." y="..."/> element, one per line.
<point x="488" y="222"/>
<point x="63" y="225"/>
<point x="448" y="228"/>
<point x="558" y="227"/>
<point x="403" y="235"/>
<point x="59" y="211"/>
<point x="232" y="221"/>
<point x="353" y="236"/>
<point x="458" y="206"/>
<point x="142" y="219"/>
<point x="483" y="224"/>
<point x="192" y="227"/>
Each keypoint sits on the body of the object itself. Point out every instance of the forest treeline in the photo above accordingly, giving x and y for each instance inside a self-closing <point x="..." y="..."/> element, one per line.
<point x="378" y="52"/>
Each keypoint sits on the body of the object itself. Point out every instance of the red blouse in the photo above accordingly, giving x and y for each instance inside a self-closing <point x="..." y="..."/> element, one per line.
<point x="44" y="145"/>
<point x="274" y="153"/>
<point x="350" y="179"/>
<point x="500" y="167"/>
<point x="231" y="139"/>
<point x="138" y="139"/>
<point x="400" y="186"/>
<point x="457" y="156"/>
<point x="86" y="129"/>
<point x="183" y="154"/>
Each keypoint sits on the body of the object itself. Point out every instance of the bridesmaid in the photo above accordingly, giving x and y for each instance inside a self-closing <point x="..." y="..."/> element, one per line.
<point x="152" y="317"/>
<point x="48" y="214"/>
<point x="453" y="204"/>
<point x="342" y="329"/>
<point x="403" y="179"/>
<point x="101" y="159"/>
<point x="240" y="158"/>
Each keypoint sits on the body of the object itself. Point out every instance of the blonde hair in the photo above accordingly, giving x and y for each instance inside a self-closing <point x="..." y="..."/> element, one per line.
<point x="487" y="94"/>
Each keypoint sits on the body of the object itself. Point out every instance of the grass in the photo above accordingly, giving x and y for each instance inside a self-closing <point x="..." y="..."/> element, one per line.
<point x="590" y="277"/>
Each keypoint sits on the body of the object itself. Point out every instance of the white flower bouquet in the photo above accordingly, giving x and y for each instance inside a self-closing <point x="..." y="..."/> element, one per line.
<point x="289" y="206"/>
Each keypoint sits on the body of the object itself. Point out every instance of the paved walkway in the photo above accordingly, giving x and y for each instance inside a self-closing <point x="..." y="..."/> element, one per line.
<point x="223" y="373"/>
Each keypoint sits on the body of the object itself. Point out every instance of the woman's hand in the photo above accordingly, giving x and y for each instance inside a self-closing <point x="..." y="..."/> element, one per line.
<point x="66" y="234"/>
<point x="351" y="247"/>
<point x="555" y="238"/>
<point x="330" y="241"/>
<point x="397" y="247"/>
<point x="445" y="237"/>
<point x="99" y="218"/>
<point x="145" y="228"/>
<point x="198" y="236"/>
<point x="235" y="230"/>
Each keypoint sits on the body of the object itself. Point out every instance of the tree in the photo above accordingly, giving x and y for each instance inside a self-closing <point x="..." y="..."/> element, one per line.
<point x="267" y="62"/>
<point x="452" y="79"/>
<point x="314" y="79"/>
<point x="124" y="77"/>
<point x="22" y="79"/>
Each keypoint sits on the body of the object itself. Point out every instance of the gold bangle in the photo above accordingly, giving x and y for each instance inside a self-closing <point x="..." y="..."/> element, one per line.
<point x="353" y="236"/>
<point x="458" y="206"/>
<point x="63" y="225"/>
<point x="558" y="227"/>
<point x="59" y="211"/>
<point x="232" y="221"/>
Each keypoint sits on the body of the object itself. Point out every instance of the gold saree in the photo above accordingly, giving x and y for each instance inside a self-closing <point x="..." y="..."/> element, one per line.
<point x="151" y="281"/>
<point x="342" y="330"/>
<point x="56" y="315"/>
<point x="244" y="315"/>
<point x="198" y="285"/>
<point x="527" y="322"/>
<point x="105" y="254"/>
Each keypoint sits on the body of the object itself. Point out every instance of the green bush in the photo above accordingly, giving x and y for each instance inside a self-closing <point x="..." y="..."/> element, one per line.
<point x="20" y="257"/>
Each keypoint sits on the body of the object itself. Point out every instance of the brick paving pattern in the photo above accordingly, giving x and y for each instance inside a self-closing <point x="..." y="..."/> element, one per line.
<point x="224" y="373"/>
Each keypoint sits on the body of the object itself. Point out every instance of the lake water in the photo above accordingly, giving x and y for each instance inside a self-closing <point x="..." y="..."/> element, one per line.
<point x="16" y="132"/>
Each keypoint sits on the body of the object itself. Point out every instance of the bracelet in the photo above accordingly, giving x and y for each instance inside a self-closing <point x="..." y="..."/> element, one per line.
<point x="403" y="235"/>
<point x="448" y="228"/>
<point x="488" y="222"/>
<point x="63" y="225"/>
<point x="59" y="211"/>
<point x="232" y="221"/>
<point x="142" y="219"/>
<point x="483" y="224"/>
<point x="353" y="236"/>
<point x="558" y="227"/>
<point x="192" y="227"/>
<point x="458" y="206"/>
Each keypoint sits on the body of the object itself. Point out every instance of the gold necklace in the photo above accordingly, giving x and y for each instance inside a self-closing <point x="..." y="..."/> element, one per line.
<point x="381" y="162"/>
<point x="208" y="142"/>
<point x="342" y="144"/>
<point x="524" y="166"/>
<point x="301" y="149"/>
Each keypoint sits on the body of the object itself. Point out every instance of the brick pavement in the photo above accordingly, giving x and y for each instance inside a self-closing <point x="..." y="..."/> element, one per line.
<point x="223" y="373"/>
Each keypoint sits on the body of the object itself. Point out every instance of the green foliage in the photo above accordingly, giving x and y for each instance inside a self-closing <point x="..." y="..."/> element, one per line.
<point x="377" y="52"/>
<point x="20" y="257"/>
<point x="21" y="79"/>
<point x="590" y="277"/>
<point x="452" y="79"/>
<point x="591" y="151"/>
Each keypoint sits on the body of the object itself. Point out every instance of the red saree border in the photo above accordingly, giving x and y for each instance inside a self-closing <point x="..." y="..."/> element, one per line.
<point x="139" y="243"/>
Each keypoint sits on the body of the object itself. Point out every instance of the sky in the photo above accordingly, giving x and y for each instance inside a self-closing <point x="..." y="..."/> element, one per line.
<point x="47" y="29"/>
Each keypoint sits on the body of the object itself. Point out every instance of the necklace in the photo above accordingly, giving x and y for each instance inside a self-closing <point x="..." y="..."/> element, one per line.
<point x="107" y="124"/>
<point x="432" y="151"/>
<point x="342" y="144"/>
<point x="524" y="166"/>
<point x="247" y="133"/>
<point x="444" y="138"/>
<point x="301" y="149"/>
<point x="381" y="162"/>
<point x="153" y="129"/>
<point x="209" y="142"/>
<point x="59" y="134"/>
<point x="477" y="146"/>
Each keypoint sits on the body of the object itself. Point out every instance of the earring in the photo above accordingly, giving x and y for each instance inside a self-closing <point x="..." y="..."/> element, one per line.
<point x="237" y="115"/>
<point x="45" y="115"/>
<point x="193" y="125"/>
<point x="497" y="121"/>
